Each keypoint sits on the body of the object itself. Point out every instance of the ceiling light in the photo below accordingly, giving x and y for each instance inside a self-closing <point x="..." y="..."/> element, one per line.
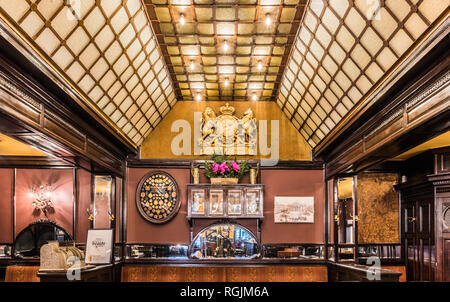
<point x="192" y="65"/>
<point x="260" y="65"/>
<point x="268" y="20"/>
<point x="254" y="97"/>
<point x="225" y="46"/>
<point x="198" y="97"/>
<point x="182" y="21"/>
<point x="226" y="83"/>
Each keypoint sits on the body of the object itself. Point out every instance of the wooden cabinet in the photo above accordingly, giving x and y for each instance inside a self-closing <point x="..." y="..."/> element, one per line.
<point x="425" y="199"/>
<point x="225" y="201"/>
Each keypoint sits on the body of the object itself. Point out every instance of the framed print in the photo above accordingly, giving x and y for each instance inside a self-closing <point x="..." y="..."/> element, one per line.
<point x="234" y="202"/>
<point x="99" y="246"/>
<point x="198" y="202"/>
<point x="216" y="202"/>
<point x="294" y="209"/>
<point x="252" y="202"/>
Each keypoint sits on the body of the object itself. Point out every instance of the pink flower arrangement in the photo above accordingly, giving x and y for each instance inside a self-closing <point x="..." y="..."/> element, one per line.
<point x="220" y="167"/>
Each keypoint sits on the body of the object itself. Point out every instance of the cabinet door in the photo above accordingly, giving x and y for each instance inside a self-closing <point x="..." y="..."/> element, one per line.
<point x="425" y="239"/>
<point x="410" y="240"/>
<point x="253" y="203"/>
<point x="447" y="260"/>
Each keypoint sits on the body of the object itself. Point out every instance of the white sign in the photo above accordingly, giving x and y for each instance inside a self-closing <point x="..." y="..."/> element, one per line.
<point x="293" y="209"/>
<point x="99" y="246"/>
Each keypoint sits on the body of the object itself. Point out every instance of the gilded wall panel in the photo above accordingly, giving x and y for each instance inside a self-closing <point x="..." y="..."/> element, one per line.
<point x="378" y="208"/>
<point x="292" y="146"/>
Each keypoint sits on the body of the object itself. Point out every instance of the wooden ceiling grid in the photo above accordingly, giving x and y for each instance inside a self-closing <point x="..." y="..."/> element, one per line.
<point x="103" y="53"/>
<point x="208" y="79"/>
<point x="131" y="59"/>
<point x="347" y="65"/>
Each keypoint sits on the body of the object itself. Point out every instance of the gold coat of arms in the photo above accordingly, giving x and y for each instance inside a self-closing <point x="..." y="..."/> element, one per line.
<point x="228" y="134"/>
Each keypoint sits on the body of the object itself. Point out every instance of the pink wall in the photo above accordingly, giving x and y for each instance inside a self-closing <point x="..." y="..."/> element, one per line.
<point x="293" y="183"/>
<point x="277" y="183"/>
<point x="83" y="203"/>
<point x="61" y="182"/>
<point x="140" y="230"/>
<point x="6" y="201"/>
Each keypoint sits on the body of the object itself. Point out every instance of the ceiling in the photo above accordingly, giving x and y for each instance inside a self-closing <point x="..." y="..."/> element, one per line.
<point x="229" y="50"/>
<point x="12" y="147"/>
<point x="132" y="60"/>
<point x="439" y="141"/>
<point x="343" y="51"/>
<point x="107" y="51"/>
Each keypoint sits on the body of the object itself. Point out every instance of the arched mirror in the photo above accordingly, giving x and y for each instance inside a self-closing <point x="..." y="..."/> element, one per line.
<point x="32" y="238"/>
<point x="225" y="240"/>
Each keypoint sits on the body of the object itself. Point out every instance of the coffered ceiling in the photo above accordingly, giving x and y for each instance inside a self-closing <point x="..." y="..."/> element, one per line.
<point x="343" y="50"/>
<point x="132" y="60"/>
<point x="106" y="50"/>
<point x="227" y="49"/>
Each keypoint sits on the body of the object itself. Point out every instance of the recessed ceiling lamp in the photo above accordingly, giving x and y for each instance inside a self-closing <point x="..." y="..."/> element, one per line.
<point x="259" y="65"/>
<point x="268" y="20"/>
<point x="182" y="20"/>
<point x="225" y="46"/>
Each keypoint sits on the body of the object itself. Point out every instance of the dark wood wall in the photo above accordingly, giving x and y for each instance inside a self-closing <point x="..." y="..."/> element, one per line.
<point x="425" y="196"/>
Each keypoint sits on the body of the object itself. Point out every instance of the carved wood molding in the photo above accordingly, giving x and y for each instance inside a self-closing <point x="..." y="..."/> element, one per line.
<point x="186" y="164"/>
<point x="438" y="36"/>
<point x="51" y="129"/>
<point x="407" y="112"/>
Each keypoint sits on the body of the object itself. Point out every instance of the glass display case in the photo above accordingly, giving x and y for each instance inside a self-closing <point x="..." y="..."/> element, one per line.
<point x="225" y="201"/>
<point x="294" y="251"/>
<point x="5" y="251"/>
<point x="158" y="251"/>
<point x="224" y="240"/>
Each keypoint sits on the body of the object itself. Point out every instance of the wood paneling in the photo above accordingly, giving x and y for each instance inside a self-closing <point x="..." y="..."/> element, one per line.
<point x="400" y="269"/>
<point x="46" y="118"/>
<point x="224" y="274"/>
<point x="6" y="205"/>
<point x="413" y="111"/>
<point x="83" y="203"/>
<point x="22" y="274"/>
<point x="292" y="146"/>
<point x="378" y="208"/>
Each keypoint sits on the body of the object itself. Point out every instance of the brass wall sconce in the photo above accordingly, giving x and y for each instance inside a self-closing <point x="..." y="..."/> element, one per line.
<point x="42" y="199"/>
<point x="336" y="219"/>
<point x="91" y="214"/>
<point x="111" y="216"/>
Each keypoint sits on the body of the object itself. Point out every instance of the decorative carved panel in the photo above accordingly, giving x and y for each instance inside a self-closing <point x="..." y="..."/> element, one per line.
<point x="378" y="210"/>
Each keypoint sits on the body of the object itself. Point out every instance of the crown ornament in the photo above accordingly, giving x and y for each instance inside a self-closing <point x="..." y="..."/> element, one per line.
<point x="227" y="109"/>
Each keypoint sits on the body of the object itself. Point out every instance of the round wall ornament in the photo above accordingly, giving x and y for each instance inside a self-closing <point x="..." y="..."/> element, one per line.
<point x="158" y="197"/>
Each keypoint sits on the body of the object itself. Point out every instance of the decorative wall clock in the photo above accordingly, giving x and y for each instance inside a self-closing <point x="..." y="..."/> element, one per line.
<point x="158" y="197"/>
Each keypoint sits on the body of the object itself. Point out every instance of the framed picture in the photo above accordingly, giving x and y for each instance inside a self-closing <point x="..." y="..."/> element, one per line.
<point x="216" y="202"/>
<point x="294" y="209"/>
<point x="99" y="246"/>
<point x="198" y="202"/>
<point x="252" y="204"/>
<point x="234" y="202"/>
